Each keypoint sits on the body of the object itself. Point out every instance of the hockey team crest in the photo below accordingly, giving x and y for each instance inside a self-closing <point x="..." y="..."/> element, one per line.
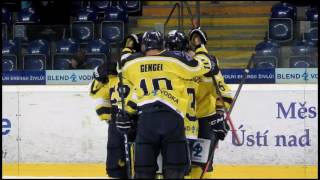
<point x="199" y="149"/>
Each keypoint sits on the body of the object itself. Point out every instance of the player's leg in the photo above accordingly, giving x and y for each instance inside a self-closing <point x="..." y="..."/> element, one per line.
<point x="146" y="148"/>
<point x="115" y="153"/>
<point x="206" y="132"/>
<point x="176" y="161"/>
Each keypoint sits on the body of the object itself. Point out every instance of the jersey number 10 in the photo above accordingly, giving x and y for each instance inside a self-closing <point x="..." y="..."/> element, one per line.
<point x="155" y="84"/>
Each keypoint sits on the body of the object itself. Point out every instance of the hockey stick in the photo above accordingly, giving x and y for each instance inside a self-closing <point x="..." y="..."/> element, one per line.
<point x="215" y="138"/>
<point x="215" y="83"/>
<point x="244" y="77"/>
<point x="246" y="72"/>
<point x="121" y="92"/>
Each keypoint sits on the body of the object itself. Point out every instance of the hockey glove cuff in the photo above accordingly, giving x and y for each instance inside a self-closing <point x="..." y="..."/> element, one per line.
<point x="219" y="126"/>
<point x="100" y="73"/>
<point x="123" y="122"/>
<point x="198" y="33"/>
<point x="134" y="42"/>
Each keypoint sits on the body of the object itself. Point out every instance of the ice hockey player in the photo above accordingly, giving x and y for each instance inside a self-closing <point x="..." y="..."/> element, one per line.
<point x="103" y="90"/>
<point x="178" y="41"/>
<point x="209" y="111"/>
<point x="208" y="108"/>
<point x="158" y="78"/>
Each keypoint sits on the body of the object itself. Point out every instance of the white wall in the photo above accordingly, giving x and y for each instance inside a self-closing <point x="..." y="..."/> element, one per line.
<point x="58" y="124"/>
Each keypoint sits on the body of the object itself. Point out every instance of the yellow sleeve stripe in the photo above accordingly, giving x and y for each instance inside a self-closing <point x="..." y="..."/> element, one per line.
<point x="201" y="49"/>
<point x="95" y="86"/>
<point x="105" y="117"/>
<point x="103" y="110"/>
<point x="127" y="50"/>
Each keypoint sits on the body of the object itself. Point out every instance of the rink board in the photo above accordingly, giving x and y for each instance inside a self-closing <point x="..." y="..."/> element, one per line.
<point x="54" y="131"/>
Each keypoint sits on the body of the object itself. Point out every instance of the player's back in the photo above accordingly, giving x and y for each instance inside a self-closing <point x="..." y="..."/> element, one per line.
<point x="162" y="78"/>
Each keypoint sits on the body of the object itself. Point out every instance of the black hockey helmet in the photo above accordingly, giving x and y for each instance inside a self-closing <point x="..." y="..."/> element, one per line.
<point x="152" y="40"/>
<point x="176" y="40"/>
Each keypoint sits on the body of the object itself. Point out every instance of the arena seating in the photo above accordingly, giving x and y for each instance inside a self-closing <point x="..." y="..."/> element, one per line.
<point x="9" y="55"/>
<point x="312" y="17"/>
<point x="64" y="52"/>
<point x="100" y="6"/>
<point x="26" y="17"/>
<point x="302" y="55"/>
<point x="283" y="17"/>
<point x="234" y="30"/>
<point x="6" y="21"/>
<point x="113" y="28"/>
<point x="97" y="52"/>
<point x="312" y="14"/>
<point x="267" y="55"/>
<point x="37" y="56"/>
<point x="131" y="6"/>
<point x="83" y="28"/>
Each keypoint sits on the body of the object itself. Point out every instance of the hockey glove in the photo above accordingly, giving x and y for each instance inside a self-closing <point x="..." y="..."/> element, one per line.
<point x="197" y="33"/>
<point x="219" y="126"/>
<point x="214" y="70"/>
<point x="134" y="42"/>
<point x="214" y="65"/>
<point x="100" y="73"/>
<point x="123" y="122"/>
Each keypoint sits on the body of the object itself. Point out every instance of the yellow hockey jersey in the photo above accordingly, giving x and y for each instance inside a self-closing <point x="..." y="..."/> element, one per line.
<point x="190" y="120"/>
<point x="163" y="78"/>
<point x="104" y="95"/>
<point x="207" y="96"/>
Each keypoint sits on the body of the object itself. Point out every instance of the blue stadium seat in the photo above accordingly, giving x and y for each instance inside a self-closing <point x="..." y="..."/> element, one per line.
<point x="303" y="48"/>
<point x="37" y="57"/>
<point x="9" y="47"/>
<point x="302" y="62"/>
<point x="267" y="55"/>
<point x="302" y="54"/>
<point x="6" y="16"/>
<point x="268" y="48"/>
<point x="112" y="31"/>
<point x="97" y="53"/>
<point x="116" y="13"/>
<point x="9" y="55"/>
<point x="312" y="35"/>
<point x="64" y="52"/>
<point x="100" y="6"/>
<point x="312" y="14"/>
<point x="283" y="16"/>
<point x="113" y="27"/>
<point x="265" y="62"/>
<point x="131" y="6"/>
<point x="284" y="10"/>
<point x="26" y="17"/>
<point x="6" y="21"/>
<point x="82" y="29"/>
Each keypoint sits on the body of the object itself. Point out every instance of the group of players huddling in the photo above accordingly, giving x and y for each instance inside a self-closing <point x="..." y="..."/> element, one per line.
<point x="169" y="97"/>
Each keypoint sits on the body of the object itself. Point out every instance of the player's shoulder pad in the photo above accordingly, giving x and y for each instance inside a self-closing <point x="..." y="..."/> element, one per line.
<point x="181" y="56"/>
<point x="132" y="57"/>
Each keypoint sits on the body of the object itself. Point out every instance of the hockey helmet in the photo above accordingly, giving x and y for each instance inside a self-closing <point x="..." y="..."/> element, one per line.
<point x="176" y="40"/>
<point x="152" y="40"/>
